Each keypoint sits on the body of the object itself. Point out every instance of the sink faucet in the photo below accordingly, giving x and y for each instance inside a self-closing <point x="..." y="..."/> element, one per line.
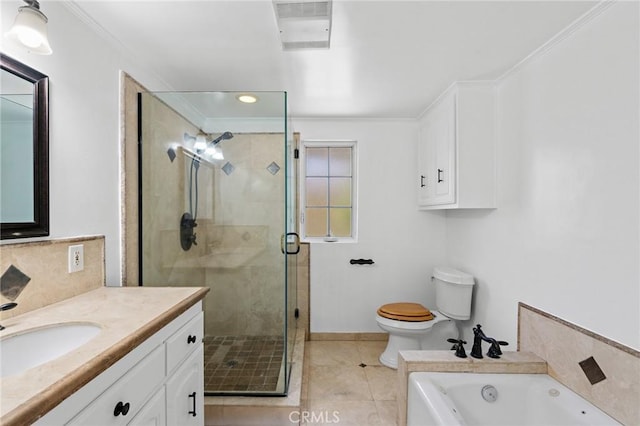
<point x="6" y="307"/>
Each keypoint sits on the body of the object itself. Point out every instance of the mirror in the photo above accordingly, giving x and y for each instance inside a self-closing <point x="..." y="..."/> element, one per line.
<point x="24" y="150"/>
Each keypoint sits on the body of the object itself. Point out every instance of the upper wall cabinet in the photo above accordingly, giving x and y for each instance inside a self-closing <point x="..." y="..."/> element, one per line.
<point x="456" y="149"/>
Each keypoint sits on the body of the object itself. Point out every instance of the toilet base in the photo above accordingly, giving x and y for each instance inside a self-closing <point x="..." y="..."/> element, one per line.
<point x="434" y="338"/>
<point x="389" y="357"/>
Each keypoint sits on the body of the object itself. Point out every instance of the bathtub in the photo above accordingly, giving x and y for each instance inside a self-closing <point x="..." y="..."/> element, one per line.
<point x="496" y="399"/>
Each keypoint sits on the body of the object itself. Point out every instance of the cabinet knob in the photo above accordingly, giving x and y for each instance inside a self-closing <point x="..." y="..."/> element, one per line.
<point x="191" y="339"/>
<point x="121" y="408"/>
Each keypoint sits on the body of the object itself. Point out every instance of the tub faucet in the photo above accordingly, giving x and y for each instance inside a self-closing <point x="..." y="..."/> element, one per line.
<point x="6" y="307"/>
<point x="478" y="337"/>
<point x="457" y="346"/>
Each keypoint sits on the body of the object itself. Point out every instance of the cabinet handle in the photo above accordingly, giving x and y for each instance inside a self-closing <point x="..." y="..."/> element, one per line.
<point x="193" y="412"/>
<point x="422" y="184"/>
<point x="191" y="339"/>
<point x="121" y="408"/>
<point x="439" y="179"/>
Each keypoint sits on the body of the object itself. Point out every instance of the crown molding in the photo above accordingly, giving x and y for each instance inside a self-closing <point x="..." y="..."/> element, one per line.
<point x="570" y="29"/>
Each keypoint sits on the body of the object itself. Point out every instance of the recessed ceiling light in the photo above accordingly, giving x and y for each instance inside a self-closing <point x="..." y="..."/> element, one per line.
<point x="247" y="99"/>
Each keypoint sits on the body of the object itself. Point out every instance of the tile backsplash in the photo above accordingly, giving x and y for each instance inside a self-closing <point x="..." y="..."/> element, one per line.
<point x="35" y="274"/>
<point x="604" y="372"/>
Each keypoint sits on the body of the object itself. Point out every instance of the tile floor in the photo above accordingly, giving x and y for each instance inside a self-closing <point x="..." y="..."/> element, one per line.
<point x="345" y="384"/>
<point x="242" y="363"/>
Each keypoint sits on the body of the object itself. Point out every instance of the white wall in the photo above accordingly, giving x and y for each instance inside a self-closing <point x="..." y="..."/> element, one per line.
<point x="565" y="236"/>
<point x="404" y="243"/>
<point x="84" y="126"/>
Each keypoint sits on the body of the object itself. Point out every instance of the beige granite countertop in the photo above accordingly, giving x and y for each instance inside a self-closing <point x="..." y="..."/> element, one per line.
<point x="127" y="316"/>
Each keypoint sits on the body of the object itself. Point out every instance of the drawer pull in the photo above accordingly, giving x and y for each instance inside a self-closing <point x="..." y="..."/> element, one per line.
<point x="191" y="339"/>
<point x="193" y="412"/>
<point x="121" y="409"/>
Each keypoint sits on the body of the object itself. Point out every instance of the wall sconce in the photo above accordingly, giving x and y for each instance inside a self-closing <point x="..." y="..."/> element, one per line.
<point x="29" y="29"/>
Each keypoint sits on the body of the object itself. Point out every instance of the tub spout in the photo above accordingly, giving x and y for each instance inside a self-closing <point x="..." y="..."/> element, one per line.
<point x="478" y="337"/>
<point x="6" y="307"/>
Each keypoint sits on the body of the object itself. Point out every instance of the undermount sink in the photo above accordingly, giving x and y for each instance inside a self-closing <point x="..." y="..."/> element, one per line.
<point x="36" y="346"/>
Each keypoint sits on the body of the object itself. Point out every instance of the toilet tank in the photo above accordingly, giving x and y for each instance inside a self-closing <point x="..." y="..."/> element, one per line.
<point x="453" y="292"/>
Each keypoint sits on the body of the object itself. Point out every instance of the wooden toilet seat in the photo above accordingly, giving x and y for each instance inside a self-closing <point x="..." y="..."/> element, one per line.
<point x="404" y="311"/>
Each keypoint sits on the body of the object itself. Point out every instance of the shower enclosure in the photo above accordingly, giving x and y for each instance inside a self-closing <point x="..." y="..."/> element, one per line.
<point x="216" y="209"/>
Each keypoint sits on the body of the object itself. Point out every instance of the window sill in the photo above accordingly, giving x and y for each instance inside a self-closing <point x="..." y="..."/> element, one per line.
<point x="329" y="240"/>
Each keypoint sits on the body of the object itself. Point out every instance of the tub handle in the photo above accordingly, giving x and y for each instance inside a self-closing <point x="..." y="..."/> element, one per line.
<point x="457" y="346"/>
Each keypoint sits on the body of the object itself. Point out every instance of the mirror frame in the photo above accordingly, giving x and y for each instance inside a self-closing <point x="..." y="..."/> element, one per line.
<point x="39" y="227"/>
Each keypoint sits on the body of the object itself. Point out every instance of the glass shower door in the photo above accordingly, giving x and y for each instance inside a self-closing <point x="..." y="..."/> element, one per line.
<point x="214" y="176"/>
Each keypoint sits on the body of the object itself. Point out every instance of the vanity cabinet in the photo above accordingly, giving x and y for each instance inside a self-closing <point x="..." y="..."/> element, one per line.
<point x="187" y="381"/>
<point x="121" y="401"/>
<point x="456" y="149"/>
<point x="160" y="382"/>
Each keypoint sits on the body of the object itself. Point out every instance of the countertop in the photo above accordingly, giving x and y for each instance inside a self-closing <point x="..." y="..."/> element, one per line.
<point x="127" y="316"/>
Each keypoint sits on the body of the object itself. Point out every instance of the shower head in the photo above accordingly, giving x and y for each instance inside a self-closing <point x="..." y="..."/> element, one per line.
<point x="225" y="135"/>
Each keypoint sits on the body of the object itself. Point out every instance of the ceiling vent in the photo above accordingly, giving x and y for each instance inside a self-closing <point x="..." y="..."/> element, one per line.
<point x="304" y="24"/>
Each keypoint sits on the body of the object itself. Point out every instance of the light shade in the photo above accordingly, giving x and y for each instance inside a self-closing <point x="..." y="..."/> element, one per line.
<point x="30" y="30"/>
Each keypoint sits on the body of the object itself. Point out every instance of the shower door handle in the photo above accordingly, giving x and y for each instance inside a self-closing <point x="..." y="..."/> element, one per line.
<point x="284" y="243"/>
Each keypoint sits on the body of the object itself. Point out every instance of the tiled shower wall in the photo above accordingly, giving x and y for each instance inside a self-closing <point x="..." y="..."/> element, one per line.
<point x="35" y="274"/>
<point x="219" y="234"/>
<point x="240" y="216"/>
<point x="610" y="373"/>
<point x="247" y="217"/>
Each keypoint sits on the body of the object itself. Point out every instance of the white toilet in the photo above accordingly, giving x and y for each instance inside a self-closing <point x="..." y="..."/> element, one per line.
<point x="409" y="324"/>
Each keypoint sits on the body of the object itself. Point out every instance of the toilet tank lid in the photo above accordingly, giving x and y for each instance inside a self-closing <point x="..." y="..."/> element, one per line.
<point x="445" y="273"/>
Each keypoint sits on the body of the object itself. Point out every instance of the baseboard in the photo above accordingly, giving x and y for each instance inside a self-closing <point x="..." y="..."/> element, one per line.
<point x="349" y="336"/>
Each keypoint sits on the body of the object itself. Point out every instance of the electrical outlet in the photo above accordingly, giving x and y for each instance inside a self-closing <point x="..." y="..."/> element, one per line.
<point x="76" y="258"/>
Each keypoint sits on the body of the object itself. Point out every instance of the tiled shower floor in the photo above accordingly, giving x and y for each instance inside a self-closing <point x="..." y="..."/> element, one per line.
<point x="242" y="363"/>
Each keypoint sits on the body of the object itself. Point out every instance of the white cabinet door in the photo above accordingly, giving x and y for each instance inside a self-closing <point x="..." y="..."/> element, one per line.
<point x="154" y="412"/>
<point x="437" y="154"/>
<point x="185" y="392"/>
<point x="426" y="163"/>
<point x="444" y="138"/>
<point x="456" y="149"/>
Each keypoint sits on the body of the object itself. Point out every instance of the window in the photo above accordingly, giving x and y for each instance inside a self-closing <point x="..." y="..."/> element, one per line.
<point x="328" y="191"/>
